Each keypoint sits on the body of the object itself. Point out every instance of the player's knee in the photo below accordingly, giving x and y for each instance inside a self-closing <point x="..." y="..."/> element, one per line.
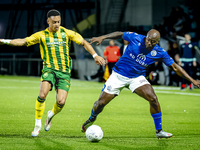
<point x="42" y="95"/>
<point x="152" y="98"/>
<point x="61" y="101"/>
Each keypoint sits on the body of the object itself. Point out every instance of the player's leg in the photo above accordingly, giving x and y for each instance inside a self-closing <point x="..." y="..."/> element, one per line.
<point x="98" y="106"/>
<point x="112" y="87"/>
<point x="45" y="87"/>
<point x="61" y="97"/>
<point x="146" y="91"/>
<point x="62" y="88"/>
<point x="58" y="106"/>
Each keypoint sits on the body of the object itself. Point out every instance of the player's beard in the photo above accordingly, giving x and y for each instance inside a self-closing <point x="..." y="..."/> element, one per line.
<point x="149" y="48"/>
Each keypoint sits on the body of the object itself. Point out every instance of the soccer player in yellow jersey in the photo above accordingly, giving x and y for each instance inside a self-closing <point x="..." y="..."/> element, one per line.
<point x="57" y="64"/>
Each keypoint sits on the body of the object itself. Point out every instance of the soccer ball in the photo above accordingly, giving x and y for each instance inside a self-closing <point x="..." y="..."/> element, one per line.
<point x="94" y="133"/>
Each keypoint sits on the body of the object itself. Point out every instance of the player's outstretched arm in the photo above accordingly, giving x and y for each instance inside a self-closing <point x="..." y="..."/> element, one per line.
<point x="98" y="60"/>
<point x="14" y="42"/>
<point x="114" y="35"/>
<point x="182" y="73"/>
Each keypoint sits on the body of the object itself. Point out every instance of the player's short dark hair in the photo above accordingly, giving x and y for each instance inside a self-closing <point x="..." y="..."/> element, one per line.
<point x="53" y="12"/>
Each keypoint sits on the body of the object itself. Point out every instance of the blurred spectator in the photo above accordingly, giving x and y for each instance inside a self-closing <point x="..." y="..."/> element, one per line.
<point x="123" y="47"/>
<point x="164" y="44"/>
<point x="99" y="75"/>
<point x="187" y="59"/>
<point x="112" y="55"/>
<point x="183" y="19"/>
<point x="173" y="52"/>
<point x="181" y="23"/>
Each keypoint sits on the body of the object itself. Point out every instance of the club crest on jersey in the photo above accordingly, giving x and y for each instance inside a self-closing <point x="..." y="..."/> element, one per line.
<point x="153" y="53"/>
<point x="63" y="35"/>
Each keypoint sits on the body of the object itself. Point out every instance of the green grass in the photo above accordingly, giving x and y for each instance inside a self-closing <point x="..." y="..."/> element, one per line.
<point x="126" y="121"/>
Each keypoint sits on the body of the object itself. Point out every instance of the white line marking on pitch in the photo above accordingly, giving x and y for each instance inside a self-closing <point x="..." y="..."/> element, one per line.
<point x="180" y="93"/>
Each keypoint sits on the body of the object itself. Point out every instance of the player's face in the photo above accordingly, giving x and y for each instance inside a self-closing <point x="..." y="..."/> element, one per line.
<point x="150" y="42"/>
<point x="187" y="37"/>
<point x="54" y="23"/>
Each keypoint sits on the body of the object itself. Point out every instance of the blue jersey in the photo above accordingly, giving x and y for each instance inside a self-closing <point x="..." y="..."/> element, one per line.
<point x="134" y="61"/>
<point x="187" y="52"/>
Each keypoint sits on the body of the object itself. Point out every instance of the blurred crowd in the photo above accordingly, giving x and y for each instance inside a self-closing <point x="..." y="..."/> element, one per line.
<point x="179" y="37"/>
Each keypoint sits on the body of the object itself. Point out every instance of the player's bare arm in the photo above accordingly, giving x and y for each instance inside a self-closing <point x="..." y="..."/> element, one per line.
<point x="114" y="35"/>
<point x="98" y="59"/>
<point x="14" y="42"/>
<point x="182" y="73"/>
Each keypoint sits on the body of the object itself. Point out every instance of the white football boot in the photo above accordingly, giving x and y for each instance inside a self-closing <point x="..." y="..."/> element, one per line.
<point x="163" y="134"/>
<point x="36" y="131"/>
<point x="48" y="122"/>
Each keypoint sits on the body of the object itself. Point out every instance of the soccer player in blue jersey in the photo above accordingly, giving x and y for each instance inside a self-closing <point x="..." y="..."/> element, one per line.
<point x="130" y="71"/>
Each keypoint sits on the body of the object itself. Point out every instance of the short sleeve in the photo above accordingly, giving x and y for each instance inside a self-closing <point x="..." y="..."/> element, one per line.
<point x="167" y="60"/>
<point x="33" y="39"/>
<point x="74" y="36"/>
<point x="128" y="36"/>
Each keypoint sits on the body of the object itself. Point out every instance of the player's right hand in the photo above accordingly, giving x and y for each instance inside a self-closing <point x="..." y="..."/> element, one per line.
<point x="98" y="40"/>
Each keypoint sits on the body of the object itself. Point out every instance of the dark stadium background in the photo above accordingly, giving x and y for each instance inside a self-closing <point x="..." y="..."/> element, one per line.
<point x="21" y="18"/>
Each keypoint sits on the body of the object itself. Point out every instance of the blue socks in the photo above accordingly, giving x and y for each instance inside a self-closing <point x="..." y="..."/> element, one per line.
<point x="157" y="120"/>
<point x="93" y="116"/>
<point x="156" y="117"/>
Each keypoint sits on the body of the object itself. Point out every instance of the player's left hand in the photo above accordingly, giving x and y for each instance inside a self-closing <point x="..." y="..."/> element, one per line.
<point x="99" y="60"/>
<point x="197" y="83"/>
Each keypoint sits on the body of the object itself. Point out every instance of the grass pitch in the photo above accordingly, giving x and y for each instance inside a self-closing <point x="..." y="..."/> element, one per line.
<point x="126" y="121"/>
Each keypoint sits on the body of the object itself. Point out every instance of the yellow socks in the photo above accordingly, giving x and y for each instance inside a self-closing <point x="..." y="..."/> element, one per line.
<point x="57" y="108"/>
<point x="39" y="108"/>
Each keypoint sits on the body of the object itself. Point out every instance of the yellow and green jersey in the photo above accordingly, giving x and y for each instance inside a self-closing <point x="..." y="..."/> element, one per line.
<point x="55" y="47"/>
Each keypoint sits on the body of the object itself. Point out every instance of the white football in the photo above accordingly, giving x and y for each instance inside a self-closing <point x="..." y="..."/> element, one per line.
<point x="94" y="133"/>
